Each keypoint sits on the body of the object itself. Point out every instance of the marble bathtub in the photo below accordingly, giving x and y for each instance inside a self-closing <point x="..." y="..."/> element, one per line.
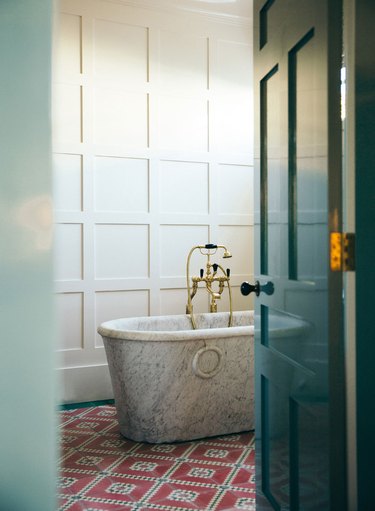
<point x="172" y="383"/>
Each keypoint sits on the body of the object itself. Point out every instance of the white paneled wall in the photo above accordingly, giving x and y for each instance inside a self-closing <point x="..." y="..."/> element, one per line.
<point x="152" y="133"/>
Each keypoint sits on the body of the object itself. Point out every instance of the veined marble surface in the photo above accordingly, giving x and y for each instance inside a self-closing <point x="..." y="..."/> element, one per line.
<point x="174" y="383"/>
<point x="165" y="328"/>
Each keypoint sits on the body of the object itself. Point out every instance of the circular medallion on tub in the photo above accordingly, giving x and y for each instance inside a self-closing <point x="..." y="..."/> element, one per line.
<point x="207" y="362"/>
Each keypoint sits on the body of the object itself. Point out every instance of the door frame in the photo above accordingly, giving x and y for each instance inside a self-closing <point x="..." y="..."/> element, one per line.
<point x="349" y="226"/>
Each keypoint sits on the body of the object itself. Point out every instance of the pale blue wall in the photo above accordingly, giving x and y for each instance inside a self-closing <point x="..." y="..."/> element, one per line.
<point x="27" y="429"/>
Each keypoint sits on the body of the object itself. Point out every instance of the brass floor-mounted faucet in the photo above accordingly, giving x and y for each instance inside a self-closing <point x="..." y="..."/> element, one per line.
<point x="209" y="278"/>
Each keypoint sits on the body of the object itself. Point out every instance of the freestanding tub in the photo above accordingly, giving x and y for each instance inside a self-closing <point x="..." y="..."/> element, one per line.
<point x="173" y="383"/>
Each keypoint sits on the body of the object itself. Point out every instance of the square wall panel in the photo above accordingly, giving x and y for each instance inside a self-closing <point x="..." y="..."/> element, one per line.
<point x="121" y="251"/>
<point x="67" y="119"/>
<point x="68" y="252"/>
<point x="119" y="304"/>
<point x="183" y="61"/>
<point x="236" y="189"/>
<point x="120" y="118"/>
<point x="69" y="315"/>
<point x="120" y="51"/>
<point x="183" y="123"/>
<point x="176" y="242"/>
<point x="239" y="241"/>
<point x="239" y="302"/>
<point x="67" y="182"/>
<point x="232" y="124"/>
<point x="173" y="301"/>
<point x="68" y="44"/>
<point x="121" y="184"/>
<point x="183" y="187"/>
<point x="232" y="71"/>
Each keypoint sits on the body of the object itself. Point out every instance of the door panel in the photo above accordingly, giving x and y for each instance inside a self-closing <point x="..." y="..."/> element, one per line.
<point x="362" y="77"/>
<point x="293" y="157"/>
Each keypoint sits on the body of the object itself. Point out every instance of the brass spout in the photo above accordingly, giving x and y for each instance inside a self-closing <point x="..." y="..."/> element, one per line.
<point x="209" y="278"/>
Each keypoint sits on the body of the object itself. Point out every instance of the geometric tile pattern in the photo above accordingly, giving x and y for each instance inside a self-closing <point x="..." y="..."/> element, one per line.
<point x="100" y="470"/>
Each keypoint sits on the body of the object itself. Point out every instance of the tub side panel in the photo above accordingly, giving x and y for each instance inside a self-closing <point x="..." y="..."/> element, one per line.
<point x="160" y="398"/>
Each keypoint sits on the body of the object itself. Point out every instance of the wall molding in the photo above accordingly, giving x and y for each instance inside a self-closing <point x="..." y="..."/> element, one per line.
<point x="84" y="383"/>
<point x="178" y="7"/>
<point x="174" y="94"/>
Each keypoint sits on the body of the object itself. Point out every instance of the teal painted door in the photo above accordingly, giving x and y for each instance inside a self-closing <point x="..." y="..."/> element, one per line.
<point x="364" y="76"/>
<point x="298" y="310"/>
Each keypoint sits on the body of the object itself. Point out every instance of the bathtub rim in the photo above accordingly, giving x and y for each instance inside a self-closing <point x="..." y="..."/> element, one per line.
<point x="109" y="330"/>
<point x="113" y="330"/>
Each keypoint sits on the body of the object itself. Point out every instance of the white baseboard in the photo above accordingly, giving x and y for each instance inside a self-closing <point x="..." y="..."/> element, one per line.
<point x="81" y="384"/>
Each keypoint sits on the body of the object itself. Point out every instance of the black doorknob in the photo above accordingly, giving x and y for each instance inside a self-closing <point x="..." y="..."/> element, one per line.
<point x="247" y="288"/>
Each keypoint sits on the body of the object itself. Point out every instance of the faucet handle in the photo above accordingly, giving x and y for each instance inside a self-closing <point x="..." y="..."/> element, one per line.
<point x="228" y="272"/>
<point x="215" y="267"/>
<point x="201" y="271"/>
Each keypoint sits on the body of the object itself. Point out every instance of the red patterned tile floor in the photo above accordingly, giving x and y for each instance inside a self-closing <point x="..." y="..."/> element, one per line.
<point x="100" y="470"/>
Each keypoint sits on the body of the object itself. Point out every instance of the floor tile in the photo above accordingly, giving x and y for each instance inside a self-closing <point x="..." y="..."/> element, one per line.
<point x="119" y="490"/>
<point x="243" y="477"/>
<point x="147" y="467"/>
<point x="196" y="472"/>
<point x="213" y="453"/>
<point x="183" y="496"/>
<point x="115" y="444"/>
<point x="74" y="484"/>
<point x="236" y="500"/>
<point x="103" y="471"/>
<point x="177" y="450"/>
